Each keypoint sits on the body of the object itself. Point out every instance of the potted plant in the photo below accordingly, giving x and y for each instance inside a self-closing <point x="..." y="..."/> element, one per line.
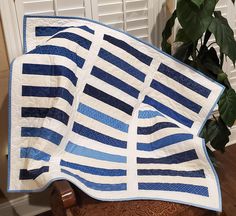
<point x="198" y="23"/>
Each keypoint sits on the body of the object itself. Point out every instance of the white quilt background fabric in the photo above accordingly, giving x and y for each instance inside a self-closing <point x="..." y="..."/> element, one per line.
<point x="111" y="114"/>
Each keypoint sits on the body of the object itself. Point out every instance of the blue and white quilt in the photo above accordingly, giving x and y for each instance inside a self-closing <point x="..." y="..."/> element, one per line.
<point x="113" y="115"/>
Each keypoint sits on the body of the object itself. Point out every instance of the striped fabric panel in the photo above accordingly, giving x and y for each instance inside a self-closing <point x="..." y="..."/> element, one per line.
<point x="177" y="158"/>
<point x="95" y="135"/>
<point x="156" y="127"/>
<point x="49" y="70"/>
<point x="168" y="111"/>
<point x="42" y="91"/>
<point x="43" y="133"/>
<point x="162" y="172"/>
<point x="108" y="99"/>
<point x="32" y="174"/>
<point x="51" y="30"/>
<point x="121" y="64"/>
<point x="182" y="79"/>
<point x="169" y="92"/>
<point x="178" y="187"/>
<point x="83" y="42"/>
<point x="146" y="114"/>
<point x="113" y="81"/>
<point x="61" y="51"/>
<point x="103" y="118"/>
<point x="91" y="153"/>
<point x="97" y="186"/>
<point x="45" y="112"/>
<point x="131" y="50"/>
<point x="165" y="141"/>
<point x="93" y="170"/>
<point x="33" y="153"/>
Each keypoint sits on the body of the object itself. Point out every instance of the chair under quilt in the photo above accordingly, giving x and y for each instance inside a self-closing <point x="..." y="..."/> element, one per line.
<point x="111" y="114"/>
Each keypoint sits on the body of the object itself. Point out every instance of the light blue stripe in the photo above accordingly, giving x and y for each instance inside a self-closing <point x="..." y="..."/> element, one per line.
<point x="101" y="117"/>
<point x="143" y="114"/>
<point x="34" y="153"/>
<point x="97" y="186"/>
<point x="86" y="152"/>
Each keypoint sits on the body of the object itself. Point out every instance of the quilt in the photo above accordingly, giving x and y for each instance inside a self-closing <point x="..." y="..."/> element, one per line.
<point x="110" y="113"/>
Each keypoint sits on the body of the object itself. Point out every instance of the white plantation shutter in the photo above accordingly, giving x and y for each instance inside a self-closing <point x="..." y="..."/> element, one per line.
<point x="80" y="8"/>
<point x="133" y="16"/>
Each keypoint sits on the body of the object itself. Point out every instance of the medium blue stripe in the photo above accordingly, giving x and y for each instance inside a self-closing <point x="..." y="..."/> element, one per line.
<point x="32" y="174"/>
<point x="94" y="170"/>
<point x="97" y="186"/>
<point x="143" y="114"/>
<point x="108" y="99"/>
<point x="41" y="91"/>
<point x="45" y="112"/>
<point x="131" y="50"/>
<point x="51" y="30"/>
<point x="168" y="111"/>
<point x="50" y="70"/>
<point x="35" y="154"/>
<point x="163" y="142"/>
<point x="167" y="172"/>
<point x="108" y="78"/>
<point x="104" y="54"/>
<point x="44" y="133"/>
<point x="178" y="187"/>
<point x="155" y="127"/>
<point x="83" y="42"/>
<point x="90" y="153"/>
<point x="171" y="159"/>
<point x="61" y="51"/>
<point x="94" y="135"/>
<point x="176" y="96"/>
<point x="185" y="81"/>
<point x="101" y="117"/>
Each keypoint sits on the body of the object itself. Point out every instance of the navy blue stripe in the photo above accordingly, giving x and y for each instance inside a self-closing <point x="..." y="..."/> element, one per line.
<point x="41" y="91"/>
<point x="155" y="127"/>
<point x="44" y="133"/>
<point x="123" y="86"/>
<point x="97" y="186"/>
<point x="61" y="51"/>
<point x="131" y="50"/>
<point x="171" y="159"/>
<point x="163" y="142"/>
<point x="94" y="170"/>
<point x="45" y="112"/>
<point x="51" y="30"/>
<point x="182" y="79"/>
<point x="94" y="135"/>
<point x="167" y="172"/>
<point x="30" y="152"/>
<point x="32" y="174"/>
<point x="176" y="96"/>
<point x="83" y="42"/>
<point x="178" y="187"/>
<point x="168" y="111"/>
<point x="123" y="65"/>
<point x="50" y="70"/>
<point x="108" y="99"/>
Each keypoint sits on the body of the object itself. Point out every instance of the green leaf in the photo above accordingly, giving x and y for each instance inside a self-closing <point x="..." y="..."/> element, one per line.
<point x="218" y="134"/>
<point x="224" y="36"/>
<point x="181" y="36"/>
<point x="166" y="47"/>
<point x="194" y="20"/>
<point x="184" y="51"/>
<point x="227" y="107"/>
<point x="198" y="2"/>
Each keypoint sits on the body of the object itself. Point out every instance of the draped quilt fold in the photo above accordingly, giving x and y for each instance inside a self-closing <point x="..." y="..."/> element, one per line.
<point x="112" y="114"/>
